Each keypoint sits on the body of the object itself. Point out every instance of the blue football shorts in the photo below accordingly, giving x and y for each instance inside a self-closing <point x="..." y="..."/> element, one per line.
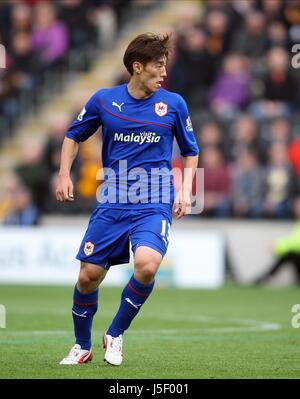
<point x="110" y="231"/>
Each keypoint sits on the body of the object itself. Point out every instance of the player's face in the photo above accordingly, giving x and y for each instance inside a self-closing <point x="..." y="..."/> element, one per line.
<point x="153" y="74"/>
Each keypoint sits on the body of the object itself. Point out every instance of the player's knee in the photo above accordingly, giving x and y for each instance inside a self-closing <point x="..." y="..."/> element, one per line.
<point x="146" y="272"/>
<point x="85" y="279"/>
<point x="88" y="279"/>
<point x="146" y="264"/>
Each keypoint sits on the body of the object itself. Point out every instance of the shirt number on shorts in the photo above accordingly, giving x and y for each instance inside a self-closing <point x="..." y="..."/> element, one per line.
<point x="165" y="231"/>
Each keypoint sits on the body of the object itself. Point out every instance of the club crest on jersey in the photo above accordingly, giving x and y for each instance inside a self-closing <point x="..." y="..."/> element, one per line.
<point x="161" y="109"/>
<point x="88" y="248"/>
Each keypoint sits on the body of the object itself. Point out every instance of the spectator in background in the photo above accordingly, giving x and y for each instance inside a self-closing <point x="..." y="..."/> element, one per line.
<point x="247" y="185"/>
<point x="34" y="174"/>
<point x="9" y="184"/>
<point x="21" y="77"/>
<point x="291" y="12"/>
<point x="286" y="250"/>
<point x="25" y="65"/>
<point x="105" y="20"/>
<point x="49" y="35"/>
<point x="193" y="68"/>
<point x="292" y="19"/>
<point x="20" y="20"/>
<point x="210" y="134"/>
<point x="187" y="18"/>
<point x="251" y="39"/>
<point x="278" y="180"/>
<point x="217" y="183"/>
<point x="51" y="163"/>
<point x="88" y="179"/>
<point x="280" y="88"/>
<point x="23" y="212"/>
<point x="233" y="14"/>
<point x="231" y="90"/>
<point x="243" y="137"/>
<point x="242" y="8"/>
<point x="233" y="10"/>
<point x="217" y="30"/>
<point x="272" y="9"/>
<point x="51" y="152"/>
<point x="75" y="14"/>
<point x="121" y="7"/>
<point x="277" y="35"/>
<point x="278" y="131"/>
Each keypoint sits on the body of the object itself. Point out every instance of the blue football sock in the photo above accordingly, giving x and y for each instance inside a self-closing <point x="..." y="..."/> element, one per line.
<point x="83" y="310"/>
<point x="133" y="297"/>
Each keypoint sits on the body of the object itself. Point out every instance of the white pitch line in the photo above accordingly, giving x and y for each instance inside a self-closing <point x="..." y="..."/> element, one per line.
<point x="221" y="330"/>
<point x="248" y="324"/>
<point x="251" y="326"/>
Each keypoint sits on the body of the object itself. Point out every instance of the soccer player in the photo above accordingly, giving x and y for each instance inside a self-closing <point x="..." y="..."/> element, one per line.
<point x="139" y="121"/>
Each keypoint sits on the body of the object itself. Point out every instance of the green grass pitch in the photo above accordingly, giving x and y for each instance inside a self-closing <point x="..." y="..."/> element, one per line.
<point x="233" y="332"/>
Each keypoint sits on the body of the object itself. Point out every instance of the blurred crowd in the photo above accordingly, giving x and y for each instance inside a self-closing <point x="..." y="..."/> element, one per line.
<point x="42" y="40"/>
<point x="232" y="64"/>
<point x="28" y="192"/>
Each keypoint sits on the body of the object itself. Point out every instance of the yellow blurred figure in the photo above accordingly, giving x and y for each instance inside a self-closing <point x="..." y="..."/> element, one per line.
<point x="91" y="163"/>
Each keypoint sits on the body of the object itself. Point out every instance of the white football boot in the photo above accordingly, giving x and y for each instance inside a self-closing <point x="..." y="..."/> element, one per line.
<point x="113" y="345"/>
<point x="78" y="356"/>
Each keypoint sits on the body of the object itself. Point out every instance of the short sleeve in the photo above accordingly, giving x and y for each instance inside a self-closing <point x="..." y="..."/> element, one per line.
<point x="87" y="122"/>
<point x="183" y="130"/>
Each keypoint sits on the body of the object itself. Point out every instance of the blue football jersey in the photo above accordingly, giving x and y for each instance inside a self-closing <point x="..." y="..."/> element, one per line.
<point x="137" y="137"/>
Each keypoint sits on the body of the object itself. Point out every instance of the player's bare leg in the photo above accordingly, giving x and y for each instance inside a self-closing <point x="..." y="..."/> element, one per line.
<point x="90" y="277"/>
<point x="84" y="308"/>
<point x="139" y="287"/>
<point x="146" y="264"/>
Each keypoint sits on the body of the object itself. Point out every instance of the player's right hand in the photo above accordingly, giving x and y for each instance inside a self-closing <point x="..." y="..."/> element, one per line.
<point x="182" y="203"/>
<point x="64" y="189"/>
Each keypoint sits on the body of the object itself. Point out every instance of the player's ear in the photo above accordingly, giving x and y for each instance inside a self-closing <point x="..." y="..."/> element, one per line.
<point x="137" y="67"/>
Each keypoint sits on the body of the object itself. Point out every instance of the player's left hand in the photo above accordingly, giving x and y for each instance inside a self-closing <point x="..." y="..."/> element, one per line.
<point x="182" y="204"/>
